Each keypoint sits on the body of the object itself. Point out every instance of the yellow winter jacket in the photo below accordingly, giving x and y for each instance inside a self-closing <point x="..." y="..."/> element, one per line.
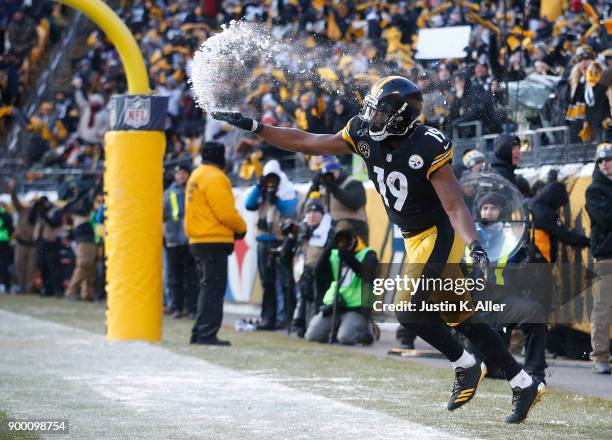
<point x="210" y="214"/>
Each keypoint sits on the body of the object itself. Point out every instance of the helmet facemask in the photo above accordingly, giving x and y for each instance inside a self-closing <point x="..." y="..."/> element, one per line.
<point x="383" y="122"/>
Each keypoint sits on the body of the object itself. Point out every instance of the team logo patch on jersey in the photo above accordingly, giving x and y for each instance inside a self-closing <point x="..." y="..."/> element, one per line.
<point x="415" y="162"/>
<point x="363" y="148"/>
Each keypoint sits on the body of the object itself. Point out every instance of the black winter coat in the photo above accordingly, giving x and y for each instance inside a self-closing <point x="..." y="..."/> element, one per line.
<point x="599" y="208"/>
<point x="544" y="206"/>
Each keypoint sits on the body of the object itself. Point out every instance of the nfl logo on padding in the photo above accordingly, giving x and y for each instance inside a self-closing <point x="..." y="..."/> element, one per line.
<point x="137" y="112"/>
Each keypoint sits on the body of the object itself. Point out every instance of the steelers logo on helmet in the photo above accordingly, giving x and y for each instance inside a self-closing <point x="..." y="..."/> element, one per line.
<point x="392" y="107"/>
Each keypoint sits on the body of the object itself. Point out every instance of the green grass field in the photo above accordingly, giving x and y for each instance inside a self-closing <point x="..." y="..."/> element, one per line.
<point x="388" y="385"/>
<point x="12" y="436"/>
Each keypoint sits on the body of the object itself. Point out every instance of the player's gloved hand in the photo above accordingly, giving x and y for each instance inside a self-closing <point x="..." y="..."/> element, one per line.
<point x="480" y="258"/>
<point x="239" y="235"/>
<point x="239" y="120"/>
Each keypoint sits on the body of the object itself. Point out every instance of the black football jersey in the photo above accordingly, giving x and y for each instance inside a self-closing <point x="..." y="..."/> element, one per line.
<point x="401" y="174"/>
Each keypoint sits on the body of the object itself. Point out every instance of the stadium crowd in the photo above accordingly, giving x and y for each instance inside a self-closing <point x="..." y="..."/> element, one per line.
<point x="345" y="46"/>
<point x="27" y="29"/>
<point x="338" y="50"/>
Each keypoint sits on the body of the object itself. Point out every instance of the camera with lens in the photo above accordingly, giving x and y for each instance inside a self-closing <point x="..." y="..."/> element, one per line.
<point x="289" y="227"/>
<point x="270" y="181"/>
<point x="326" y="177"/>
<point x="300" y="231"/>
<point x="343" y="240"/>
<point x="269" y="185"/>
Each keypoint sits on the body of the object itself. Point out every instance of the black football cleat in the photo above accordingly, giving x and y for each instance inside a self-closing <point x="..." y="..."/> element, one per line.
<point x="523" y="399"/>
<point x="466" y="383"/>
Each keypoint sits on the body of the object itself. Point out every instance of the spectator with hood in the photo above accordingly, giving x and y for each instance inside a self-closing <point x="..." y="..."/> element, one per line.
<point x="94" y="120"/>
<point x="507" y="155"/>
<point x="599" y="208"/>
<point x="275" y="200"/>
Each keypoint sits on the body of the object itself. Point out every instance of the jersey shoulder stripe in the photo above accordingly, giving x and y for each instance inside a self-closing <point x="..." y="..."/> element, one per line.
<point x="347" y="136"/>
<point x="442" y="156"/>
<point x="438" y="163"/>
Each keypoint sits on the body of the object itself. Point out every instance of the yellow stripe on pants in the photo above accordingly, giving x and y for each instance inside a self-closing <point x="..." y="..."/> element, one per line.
<point x="419" y="249"/>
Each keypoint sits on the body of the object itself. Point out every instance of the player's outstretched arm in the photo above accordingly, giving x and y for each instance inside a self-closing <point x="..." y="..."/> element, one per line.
<point x="290" y="139"/>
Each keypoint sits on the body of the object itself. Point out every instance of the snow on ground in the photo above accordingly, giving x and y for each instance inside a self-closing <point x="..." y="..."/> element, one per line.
<point x="141" y="391"/>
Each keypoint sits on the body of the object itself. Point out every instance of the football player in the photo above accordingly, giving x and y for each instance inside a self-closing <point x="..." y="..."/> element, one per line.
<point x="410" y="166"/>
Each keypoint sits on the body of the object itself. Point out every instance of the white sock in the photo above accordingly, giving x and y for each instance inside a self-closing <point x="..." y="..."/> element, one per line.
<point x="466" y="360"/>
<point x="521" y="380"/>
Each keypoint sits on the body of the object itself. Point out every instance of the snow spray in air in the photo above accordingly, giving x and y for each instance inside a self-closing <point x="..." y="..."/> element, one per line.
<point x="224" y="63"/>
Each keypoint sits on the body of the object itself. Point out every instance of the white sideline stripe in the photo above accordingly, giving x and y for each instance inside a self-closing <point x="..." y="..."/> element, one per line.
<point x="142" y="391"/>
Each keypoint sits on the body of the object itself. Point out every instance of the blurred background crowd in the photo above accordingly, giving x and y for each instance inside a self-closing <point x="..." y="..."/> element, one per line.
<point x="528" y="66"/>
<point x="338" y="50"/>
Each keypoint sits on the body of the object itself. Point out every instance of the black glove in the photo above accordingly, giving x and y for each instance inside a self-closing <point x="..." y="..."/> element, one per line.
<point x="239" y="120"/>
<point x="239" y="236"/>
<point x="480" y="258"/>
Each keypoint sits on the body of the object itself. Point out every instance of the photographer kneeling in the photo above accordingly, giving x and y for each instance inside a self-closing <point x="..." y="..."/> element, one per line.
<point x="303" y="245"/>
<point x="348" y="264"/>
